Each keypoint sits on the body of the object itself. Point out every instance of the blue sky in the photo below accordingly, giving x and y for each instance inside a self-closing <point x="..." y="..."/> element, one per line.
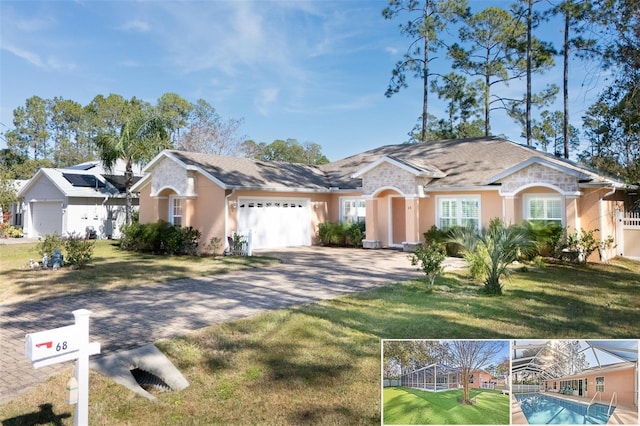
<point x="311" y="70"/>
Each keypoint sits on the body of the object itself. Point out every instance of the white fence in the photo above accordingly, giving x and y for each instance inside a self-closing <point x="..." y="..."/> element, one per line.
<point x="628" y="234"/>
<point x="526" y="388"/>
<point x="391" y="382"/>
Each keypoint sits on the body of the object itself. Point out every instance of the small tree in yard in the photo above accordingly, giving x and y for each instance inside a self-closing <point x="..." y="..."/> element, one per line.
<point x="471" y="355"/>
<point x="430" y="258"/>
<point x="493" y="250"/>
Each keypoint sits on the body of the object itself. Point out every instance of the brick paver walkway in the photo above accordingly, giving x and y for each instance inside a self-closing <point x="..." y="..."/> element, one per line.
<point x="135" y="317"/>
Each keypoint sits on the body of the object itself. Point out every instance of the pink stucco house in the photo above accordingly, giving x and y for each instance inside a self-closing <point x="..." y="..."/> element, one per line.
<point x="399" y="191"/>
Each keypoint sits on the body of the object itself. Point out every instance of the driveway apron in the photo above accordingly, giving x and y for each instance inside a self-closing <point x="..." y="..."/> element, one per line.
<point x="130" y="318"/>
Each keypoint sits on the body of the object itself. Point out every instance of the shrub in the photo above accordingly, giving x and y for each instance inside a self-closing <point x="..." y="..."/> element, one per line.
<point x="160" y="238"/>
<point x="584" y="243"/>
<point x="430" y="258"/>
<point x="214" y="245"/>
<point x="9" y="231"/>
<point x="548" y="236"/>
<point x="49" y="244"/>
<point x="341" y="234"/>
<point x="79" y="251"/>
<point x="441" y="236"/>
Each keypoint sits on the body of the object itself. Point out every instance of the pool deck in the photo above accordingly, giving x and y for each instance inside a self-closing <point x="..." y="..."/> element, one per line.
<point x="624" y="414"/>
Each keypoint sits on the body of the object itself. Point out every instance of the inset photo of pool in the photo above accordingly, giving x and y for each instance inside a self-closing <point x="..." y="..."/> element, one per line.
<point x="445" y="382"/>
<point x="574" y="382"/>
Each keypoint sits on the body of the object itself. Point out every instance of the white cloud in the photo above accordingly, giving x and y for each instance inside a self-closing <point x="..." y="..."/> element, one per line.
<point x="136" y="25"/>
<point x="28" y="56"/>
<point x="391" y="50"/>
<point x="265" y="99"/>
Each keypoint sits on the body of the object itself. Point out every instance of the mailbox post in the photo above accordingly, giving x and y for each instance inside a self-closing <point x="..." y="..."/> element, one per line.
<point x="65" y="344"/>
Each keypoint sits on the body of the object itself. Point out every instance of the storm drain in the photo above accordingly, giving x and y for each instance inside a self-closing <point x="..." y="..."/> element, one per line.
<point x="145" y="370"/>
<point x="149" y="381"/>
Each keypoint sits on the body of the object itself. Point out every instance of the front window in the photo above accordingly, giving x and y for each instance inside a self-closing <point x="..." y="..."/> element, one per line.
<point x="459" y="211"/>
<point x="543" y="208"/>
<point x="353" y="210"/>
<point x="175" y="211"/>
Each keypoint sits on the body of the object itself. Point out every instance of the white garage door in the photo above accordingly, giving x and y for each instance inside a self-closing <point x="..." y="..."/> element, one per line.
<point x="275" y="222"/>
<point x="46" y="218"/>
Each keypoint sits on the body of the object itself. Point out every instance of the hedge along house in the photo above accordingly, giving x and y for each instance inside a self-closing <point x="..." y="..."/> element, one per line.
<point x="399" y="191"/>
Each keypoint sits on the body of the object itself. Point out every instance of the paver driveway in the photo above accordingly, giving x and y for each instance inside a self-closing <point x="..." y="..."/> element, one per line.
<point x="130" y="318"/>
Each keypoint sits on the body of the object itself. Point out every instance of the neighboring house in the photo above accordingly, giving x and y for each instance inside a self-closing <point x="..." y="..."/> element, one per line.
<point x="480" y="379"/>
<point x="15" y="210"/>
<point x="399" y="191"/>
<point x="74" y="200"/>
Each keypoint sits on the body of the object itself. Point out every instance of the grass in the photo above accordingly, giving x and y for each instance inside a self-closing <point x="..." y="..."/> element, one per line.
<point x="111" y="269"/>
<point x="320" y="363"/>
<point x="412" y="406"/>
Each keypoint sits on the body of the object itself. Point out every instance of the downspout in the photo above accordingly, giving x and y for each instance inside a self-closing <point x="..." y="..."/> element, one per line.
<point x="226" y="214"/>
<point x="602" y="224"/>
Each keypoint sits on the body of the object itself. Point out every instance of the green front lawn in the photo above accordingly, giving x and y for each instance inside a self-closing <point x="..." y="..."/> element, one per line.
<point x="320" y="363"/>
<point x="110" y="269"/>
<point x="412" y="406"/>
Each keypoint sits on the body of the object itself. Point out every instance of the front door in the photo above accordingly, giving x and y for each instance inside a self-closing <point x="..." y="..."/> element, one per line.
<point x="398" y="222"/>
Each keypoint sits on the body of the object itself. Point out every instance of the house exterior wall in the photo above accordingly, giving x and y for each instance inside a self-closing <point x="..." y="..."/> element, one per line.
<point x="490" y="207"/>
<point x="206" y="212"/>
<point x="620" y="381"/>
<point x="106" y="219"/>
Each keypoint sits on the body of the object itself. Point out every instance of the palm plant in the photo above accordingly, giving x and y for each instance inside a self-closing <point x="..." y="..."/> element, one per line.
<point x="140" y="138"/>
<point x="492" y="250"/>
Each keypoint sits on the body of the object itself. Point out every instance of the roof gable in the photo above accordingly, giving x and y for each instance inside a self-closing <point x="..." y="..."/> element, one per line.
<point x="72" y="183"/>
<point x="540" y="161"/>
<point x="406" y="165"/>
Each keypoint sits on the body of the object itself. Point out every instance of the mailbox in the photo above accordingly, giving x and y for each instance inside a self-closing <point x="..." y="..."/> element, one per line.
<point x="50" y="343"/>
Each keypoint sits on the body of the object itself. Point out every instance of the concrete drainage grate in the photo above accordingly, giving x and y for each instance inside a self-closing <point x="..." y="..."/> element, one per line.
<point x="143" y="370"/>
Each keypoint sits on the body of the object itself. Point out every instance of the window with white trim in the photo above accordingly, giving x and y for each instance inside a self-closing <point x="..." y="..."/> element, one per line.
<point x="459" y="211"/>
<point x="353" y="210"/>
<point x="175" y="211"/>
<point x="545" y="208"/>
<point x="600" y="384"/>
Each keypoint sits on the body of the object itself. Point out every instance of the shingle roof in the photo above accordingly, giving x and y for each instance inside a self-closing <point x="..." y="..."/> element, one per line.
<point x="462" y="163"/>
<point x="247" y="173"/>
<point x="465" y="162"/>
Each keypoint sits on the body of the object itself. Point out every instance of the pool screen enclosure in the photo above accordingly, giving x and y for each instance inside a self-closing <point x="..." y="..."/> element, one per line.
<point x="434" y="377"/>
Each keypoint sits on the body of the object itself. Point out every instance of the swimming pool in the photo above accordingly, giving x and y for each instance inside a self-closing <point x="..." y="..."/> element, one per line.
<point x="541" y="409"/>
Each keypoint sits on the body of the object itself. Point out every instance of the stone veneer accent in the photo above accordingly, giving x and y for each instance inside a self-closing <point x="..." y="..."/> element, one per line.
<point x="386" y="174"/>
<point x="537" y="173"/>
<point x="170" y="174"/>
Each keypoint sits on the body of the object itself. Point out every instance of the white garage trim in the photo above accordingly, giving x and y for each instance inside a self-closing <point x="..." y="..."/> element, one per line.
<point x="275" y="221"/>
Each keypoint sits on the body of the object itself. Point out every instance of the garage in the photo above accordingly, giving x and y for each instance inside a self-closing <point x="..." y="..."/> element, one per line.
<point x="46" y="218"/>
<point x="275" y="222"/>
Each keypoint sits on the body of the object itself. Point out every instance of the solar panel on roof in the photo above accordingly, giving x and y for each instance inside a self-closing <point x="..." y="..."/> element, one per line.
<point x="84" y="181"/>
